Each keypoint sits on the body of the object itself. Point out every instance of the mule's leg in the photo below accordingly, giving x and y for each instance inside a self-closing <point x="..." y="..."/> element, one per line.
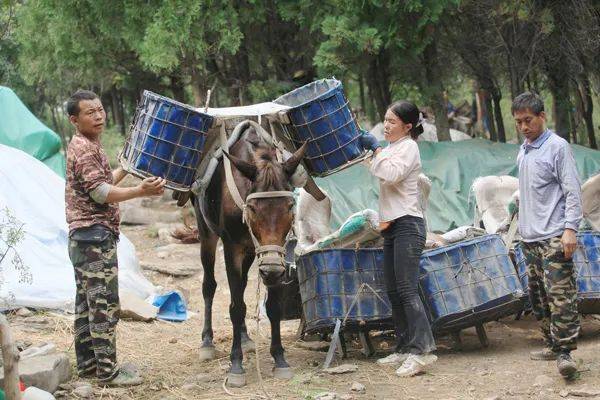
<point x="234" y="256"/>
<point x="247" y="343"/>
<point x="282" y="369"/>
<point x="209" y="286"/>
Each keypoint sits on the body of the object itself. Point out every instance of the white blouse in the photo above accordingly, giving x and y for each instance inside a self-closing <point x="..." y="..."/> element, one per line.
<point x="398" y="167"/>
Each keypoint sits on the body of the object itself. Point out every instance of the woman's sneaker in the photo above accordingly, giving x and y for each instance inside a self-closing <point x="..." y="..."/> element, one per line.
<point x="394" y="358"/>
<point x="415" y="364"/>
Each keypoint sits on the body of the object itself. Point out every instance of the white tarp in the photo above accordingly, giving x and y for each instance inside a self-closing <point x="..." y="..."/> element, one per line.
<point x="253" y="110"/>
<point x="35" y="196"/>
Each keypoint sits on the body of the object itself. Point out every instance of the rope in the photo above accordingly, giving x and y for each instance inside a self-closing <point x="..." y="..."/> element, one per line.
<point x="256" y="354"/>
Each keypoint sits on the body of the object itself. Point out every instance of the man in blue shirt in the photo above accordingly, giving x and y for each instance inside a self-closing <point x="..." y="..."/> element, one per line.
<point x="549" y="215"/>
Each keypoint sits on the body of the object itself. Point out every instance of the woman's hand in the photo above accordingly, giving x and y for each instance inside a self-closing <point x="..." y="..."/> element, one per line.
<point x="384" y="225"/>
<point x="369" y="142"/>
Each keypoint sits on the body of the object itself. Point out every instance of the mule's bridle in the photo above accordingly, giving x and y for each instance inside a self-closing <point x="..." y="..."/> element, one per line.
<point x="267" y="254"/>
<point x="270" y="253"/>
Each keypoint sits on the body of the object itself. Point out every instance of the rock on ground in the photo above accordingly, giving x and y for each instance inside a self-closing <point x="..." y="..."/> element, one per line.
<point x="342" y="369"/>
<point x="358" y="387"/>
<point x="44" y="372"/>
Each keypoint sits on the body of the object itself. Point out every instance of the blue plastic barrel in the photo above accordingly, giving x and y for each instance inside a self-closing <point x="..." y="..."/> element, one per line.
<point x="321" y="116"/>
<point x="166" y="140"/>
<point x="331" y="280"/>
<point x="587" y="264"/>
<point x="469" y="283"/>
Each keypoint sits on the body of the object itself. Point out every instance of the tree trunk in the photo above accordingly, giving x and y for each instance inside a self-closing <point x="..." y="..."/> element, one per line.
<point x="117" y="109"/>
<point x="177" y="87"/>
<point x="361" y="90"/>
<point x="58" y="129"/>
<point x="197" y="87"/>
<point x="490" y="116"/>
<point x="561" y="107"/>
<point x="435" y="91"/>
<point x="496" y="97"/>
<point x="10" y="356"/>
<point x="376" y="90"/>
<point x="588" y="111"/>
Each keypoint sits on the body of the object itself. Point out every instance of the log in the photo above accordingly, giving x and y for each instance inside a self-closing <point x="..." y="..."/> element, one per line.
<point x="10" y="355"/>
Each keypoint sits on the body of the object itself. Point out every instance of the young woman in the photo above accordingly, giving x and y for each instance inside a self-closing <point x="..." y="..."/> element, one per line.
<point x="398" y="167"/>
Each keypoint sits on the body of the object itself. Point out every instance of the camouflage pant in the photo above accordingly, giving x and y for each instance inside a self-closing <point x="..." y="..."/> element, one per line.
<point x="553" y="292"/>
<point x="96" y="306"/>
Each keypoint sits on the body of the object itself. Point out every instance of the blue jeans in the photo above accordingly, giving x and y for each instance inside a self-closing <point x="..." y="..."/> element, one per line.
<point x="403" y="244"/>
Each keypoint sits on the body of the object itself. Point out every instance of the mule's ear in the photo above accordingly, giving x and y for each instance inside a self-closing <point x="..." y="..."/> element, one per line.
<point x="292" y="163"/>
<point x="247" y="169"/>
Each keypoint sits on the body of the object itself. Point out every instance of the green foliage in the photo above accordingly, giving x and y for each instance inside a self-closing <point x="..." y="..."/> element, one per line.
<point x="253" y="50"/>
<point x="11" y="234"/>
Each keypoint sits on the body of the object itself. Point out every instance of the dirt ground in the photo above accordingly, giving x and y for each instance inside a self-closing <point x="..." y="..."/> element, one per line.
<point x="167" y="353"/>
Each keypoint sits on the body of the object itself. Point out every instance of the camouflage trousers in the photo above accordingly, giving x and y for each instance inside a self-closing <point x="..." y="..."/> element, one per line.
<point x="96" y="307"/>
<point x="553" y="293"/>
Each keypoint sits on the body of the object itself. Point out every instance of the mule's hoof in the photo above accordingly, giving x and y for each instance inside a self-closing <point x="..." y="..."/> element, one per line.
<point x="207" y="353"/>
<point x="248" y="346"/>
<point x="236" y="380"/>
<point x="283" y="373"/>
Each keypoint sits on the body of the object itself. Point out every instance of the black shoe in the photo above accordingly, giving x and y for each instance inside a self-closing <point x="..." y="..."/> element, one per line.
<point x="566" y="365"/>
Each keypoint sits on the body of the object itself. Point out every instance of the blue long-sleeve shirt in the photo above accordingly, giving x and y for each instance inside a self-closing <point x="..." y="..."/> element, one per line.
<point x="550" y="188"/>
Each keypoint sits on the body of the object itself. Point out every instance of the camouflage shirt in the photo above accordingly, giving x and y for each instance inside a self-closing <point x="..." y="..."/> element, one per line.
<point x="87" y="168"/>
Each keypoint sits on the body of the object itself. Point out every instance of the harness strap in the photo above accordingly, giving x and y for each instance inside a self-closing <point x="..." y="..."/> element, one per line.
<point x="233" y="189"/>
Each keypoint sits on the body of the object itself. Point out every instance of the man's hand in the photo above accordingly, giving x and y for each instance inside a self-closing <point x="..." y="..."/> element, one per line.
<point x="152" y="186"/>
<point x="569" y="243"/>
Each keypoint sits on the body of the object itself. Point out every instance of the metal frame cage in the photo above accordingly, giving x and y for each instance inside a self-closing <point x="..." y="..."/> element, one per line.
<point x="166" y="139"/>
<point x="321" y="116"/>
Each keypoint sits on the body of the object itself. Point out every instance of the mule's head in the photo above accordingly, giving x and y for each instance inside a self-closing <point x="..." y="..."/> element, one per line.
<point x="269" y="215"/>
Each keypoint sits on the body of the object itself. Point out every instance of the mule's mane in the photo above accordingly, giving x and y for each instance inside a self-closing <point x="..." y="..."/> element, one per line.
<point x="270" y="173"/>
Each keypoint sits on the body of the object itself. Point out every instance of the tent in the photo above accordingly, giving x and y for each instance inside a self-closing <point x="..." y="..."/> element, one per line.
<point x="35" y="196"/>
<point x="20" y="129"/>
<point x="452" y="168"/>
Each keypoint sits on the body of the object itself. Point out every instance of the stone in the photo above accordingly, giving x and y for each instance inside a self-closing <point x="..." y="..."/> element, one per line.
<point x="581" y="392"/>
<point x="135" y="308"/>
<point x="166" y="235"/>
<point x="313" y="346"/>
<point x="24" y="312"/>
<point x="44" y="372"/>
<point x="346" y="397"/>
<point x="173" y="340"/>
<point x="358" y="387"/>
<point x="84" y="391"/>
<point x="23" y="344"/>
<point x="36" y="351"/>
<point x="134" y="213"/>
<point x="172" y="270"/>
<point x="493" y="398"/>
<point x="189" y="386"/>
<point x="342" y="369"/>
<point x="326" y="396"/>
<point x="543" y="381"/>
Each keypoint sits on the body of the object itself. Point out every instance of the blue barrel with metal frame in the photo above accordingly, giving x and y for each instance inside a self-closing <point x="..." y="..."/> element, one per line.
<point x="166" y="139"/>
<point x="468" y="283"/>
<point x="344" y="284"/>
<point x="587" y="264"/>
<point x="321" y="116"/>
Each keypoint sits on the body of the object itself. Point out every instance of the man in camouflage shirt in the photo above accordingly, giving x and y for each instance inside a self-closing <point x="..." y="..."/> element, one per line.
<point x="91" y="198"/>
<point x="549" y="215"/>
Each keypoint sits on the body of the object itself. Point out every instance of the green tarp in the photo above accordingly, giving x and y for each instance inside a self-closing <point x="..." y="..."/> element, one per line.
<point x="20" y="129"/>
<point x="452" y="168"/>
